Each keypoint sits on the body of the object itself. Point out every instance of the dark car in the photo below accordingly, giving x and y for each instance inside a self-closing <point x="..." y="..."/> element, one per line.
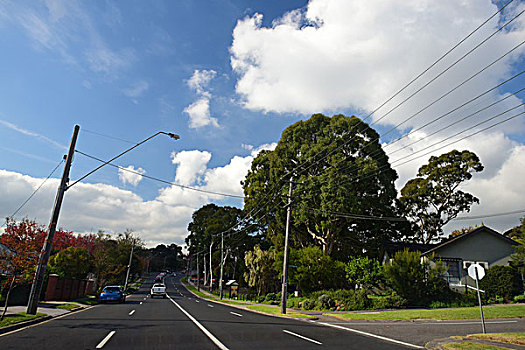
<point x="112" y="293"/>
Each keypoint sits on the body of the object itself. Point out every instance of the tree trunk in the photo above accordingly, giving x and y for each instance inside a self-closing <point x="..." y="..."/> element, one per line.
<point x="7" y="297"/>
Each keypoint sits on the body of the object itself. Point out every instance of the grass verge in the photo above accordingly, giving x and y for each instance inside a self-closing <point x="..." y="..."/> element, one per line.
<point x="470" y="346"/>
<point x="507" y="311"/>
<point x="19" y="317"/>
<point x="66" y="306"/>
<point x="511" y="338"/>
<point x="277" y="311"/>
<point x="87" y="300"/>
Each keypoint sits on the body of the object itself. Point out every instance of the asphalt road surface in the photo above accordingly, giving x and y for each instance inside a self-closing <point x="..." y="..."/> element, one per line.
<point x="183" y="321"/>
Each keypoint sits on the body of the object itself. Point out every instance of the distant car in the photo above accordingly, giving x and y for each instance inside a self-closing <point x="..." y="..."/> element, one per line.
<point x="158" y="290"/>
<point x="112" y="293"/>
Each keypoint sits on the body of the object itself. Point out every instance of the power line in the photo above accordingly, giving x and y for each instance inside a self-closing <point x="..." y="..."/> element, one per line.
<point x="34" y="192"/>
<point x="108" y="136"/>
<point x="160" y="180"/>
<point x="490" y="215"/>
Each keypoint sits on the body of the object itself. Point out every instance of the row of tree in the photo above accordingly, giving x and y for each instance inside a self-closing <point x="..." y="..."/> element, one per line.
<point x="345" y="207"/>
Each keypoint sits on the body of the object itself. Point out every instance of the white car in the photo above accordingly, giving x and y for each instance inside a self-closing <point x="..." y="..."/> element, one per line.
<point x="158" y="290"/>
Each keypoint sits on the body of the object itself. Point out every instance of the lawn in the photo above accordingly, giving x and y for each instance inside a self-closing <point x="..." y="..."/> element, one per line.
<point x="19" y="317"/>
<point x="206" y="296"/>
<point x="87" y="300"/>
<point x="470" y="346"/>
<point x="277" y="311"/>
<point x="511" y="338"/>
<point x="437" y="314"/>
<point x="66" y="306"/>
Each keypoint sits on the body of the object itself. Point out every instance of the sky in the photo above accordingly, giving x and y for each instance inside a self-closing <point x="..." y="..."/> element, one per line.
<point x="229" y="77"/>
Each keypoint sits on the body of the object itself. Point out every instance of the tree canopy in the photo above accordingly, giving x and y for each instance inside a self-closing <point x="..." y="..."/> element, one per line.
<point x="339" y="167"/>
<point x="433" y="198"/>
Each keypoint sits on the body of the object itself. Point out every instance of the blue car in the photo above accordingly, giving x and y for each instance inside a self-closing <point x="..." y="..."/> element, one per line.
<point x="112" y="293"/>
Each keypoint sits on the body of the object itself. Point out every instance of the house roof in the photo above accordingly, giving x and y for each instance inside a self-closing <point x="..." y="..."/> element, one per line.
<point x="470" y="234"/>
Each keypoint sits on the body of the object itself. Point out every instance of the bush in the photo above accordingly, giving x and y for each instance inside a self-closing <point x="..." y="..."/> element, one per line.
<point x="415" y="280"/>
<point x="270" y="297"/>
<point x="308" y="304"/>
<point x="392" y="301"/>
<point x="519" y="298"/>
<point x="324" y="302"/>
<point x="502" y="281"/>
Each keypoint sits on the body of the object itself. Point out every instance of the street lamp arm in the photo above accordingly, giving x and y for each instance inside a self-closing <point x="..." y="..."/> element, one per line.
<point x="173" y="136"/>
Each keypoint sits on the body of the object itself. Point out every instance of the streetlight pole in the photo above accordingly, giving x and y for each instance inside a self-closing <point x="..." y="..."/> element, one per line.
<point x="222" y="263"/>
<point x="198" y="274"/>
<point x="36" y="288"/>
<point x="129" y="264"/>
<point x="284" y="289"/>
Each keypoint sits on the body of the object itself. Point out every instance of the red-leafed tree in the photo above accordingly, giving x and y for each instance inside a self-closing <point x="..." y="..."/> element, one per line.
<point x="24" y="241"/>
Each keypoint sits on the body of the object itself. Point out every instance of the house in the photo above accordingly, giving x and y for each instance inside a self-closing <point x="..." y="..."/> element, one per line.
<point x="482" y="245"/>
<point x="391" y="248"/>
<point x="4" y="253"/>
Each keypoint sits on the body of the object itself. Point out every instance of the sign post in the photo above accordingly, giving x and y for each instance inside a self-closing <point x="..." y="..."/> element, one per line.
<point x="477" y="272"/>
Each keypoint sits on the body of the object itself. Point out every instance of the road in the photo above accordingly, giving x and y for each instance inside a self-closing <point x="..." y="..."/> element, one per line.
<point x="182" y="321"/>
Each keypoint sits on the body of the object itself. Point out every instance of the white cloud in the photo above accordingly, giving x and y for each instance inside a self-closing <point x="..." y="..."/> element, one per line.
<point x="200" y="80"/>
<point x="136" y="89"/>
<point x="190" y="165"/>
<point x="102" y="59"/>
<point x="199" y="112"/>
<point x="130" y="177"/>
<point x="352" y="54"/>
<point x="31" y="133"/>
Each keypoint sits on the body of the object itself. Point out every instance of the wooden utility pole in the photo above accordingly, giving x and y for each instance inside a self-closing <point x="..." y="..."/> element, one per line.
<point x="36" y="288"/>
<point x="284" y="289"/>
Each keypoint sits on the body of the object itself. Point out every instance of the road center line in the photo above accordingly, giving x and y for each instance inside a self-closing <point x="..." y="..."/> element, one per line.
<point x="236" y="314"/>
<point x="372" y="335"/>
<point x="201" y="327"/>
<point x="105" y="340"/>
<point x="302" y="337"/>
<point x="132" y="312"/>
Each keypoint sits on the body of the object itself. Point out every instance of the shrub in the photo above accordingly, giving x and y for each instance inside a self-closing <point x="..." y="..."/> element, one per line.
<point x="324" y="302"/>
<point x="519" y="298"/>
<point x="270" y="297"/>
<point x="392" y="301"/>
<point x="308" y="304"/>
<point x="415" y="280"/>
<point x="502" y="281"/>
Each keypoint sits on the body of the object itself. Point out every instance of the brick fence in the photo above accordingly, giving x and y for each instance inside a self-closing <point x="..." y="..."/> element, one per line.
<point x="66" y="288"/>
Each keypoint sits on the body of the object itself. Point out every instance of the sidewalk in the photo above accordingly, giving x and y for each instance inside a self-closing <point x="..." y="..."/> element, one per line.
<point x="48" y="308"/>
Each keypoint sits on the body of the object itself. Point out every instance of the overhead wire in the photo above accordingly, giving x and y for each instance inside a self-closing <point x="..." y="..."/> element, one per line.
<point x="34" y="192"/>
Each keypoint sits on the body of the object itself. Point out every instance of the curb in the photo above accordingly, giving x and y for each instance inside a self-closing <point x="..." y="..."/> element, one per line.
<point x="23" y="324"/>
<point x="250" y="310"/>
<point x="14" y="327"/>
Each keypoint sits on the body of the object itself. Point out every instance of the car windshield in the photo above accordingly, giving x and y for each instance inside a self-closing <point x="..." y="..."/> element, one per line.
<point x="111" y="289"/>
<point x="158" y="285"/>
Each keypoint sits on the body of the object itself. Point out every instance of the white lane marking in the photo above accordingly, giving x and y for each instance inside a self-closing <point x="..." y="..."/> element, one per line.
<point x="141" y="303"/>
<point x="302" y="337"/>
<point x="201" y="327"/>
<point x="132" y="312"/>
<point x="197" y="301"/>
<point x="181" y="294"/>
<point x="416" y="323"/>
<point x="210" y="305"/>
<point x="236" y="314"/>
<point x="372" y="335"/>
<point x="105" y="340"/>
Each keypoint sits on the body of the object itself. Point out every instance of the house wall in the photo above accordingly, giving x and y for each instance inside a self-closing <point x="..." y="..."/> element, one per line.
<point x="482" y="246"/>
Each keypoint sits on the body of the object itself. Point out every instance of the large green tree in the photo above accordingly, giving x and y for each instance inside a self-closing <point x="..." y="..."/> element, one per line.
<point x="339" y="167"/>
<point x="433" y="198"/>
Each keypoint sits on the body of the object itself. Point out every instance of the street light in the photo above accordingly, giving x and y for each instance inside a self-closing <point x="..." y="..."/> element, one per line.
<point x="36" y="287"/>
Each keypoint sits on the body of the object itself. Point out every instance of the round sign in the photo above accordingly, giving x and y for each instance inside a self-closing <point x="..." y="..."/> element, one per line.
<point x="472" y="271"/>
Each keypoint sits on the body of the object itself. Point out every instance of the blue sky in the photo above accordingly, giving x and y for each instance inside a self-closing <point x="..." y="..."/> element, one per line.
<point x="228" y="77"/>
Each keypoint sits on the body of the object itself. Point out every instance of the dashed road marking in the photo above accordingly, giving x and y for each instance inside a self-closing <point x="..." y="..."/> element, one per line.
<point x="302" y="337"/>
<point x="105" y="340"/>
<point x="141" y="303"/>
<point x="132" y="312"/>
<point x="236" y="314"/>
<point x="197" y="301"/>
<point x="210" y="305"/>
